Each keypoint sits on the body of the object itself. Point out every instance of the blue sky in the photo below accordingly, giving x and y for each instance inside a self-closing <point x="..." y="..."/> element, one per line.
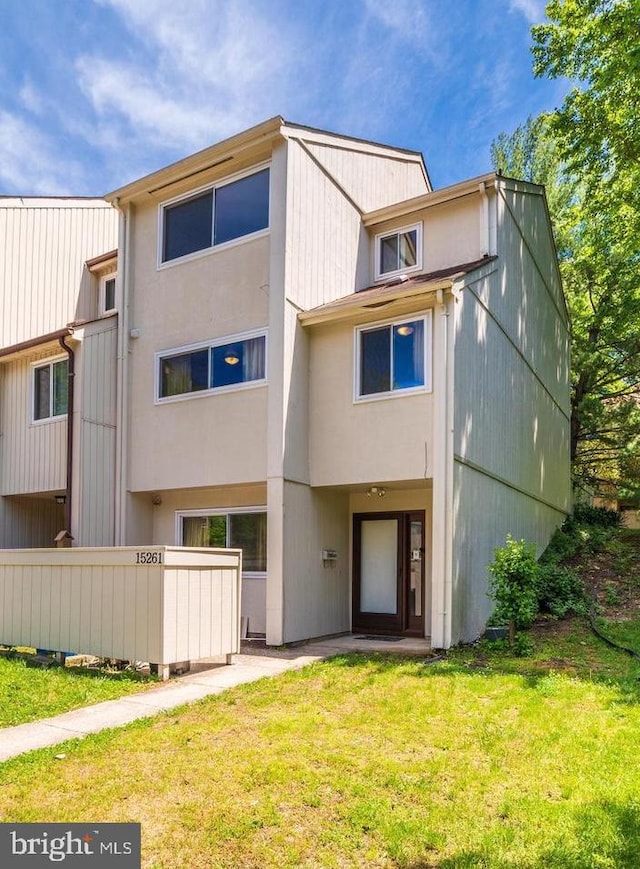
<point x="96" y="93"/>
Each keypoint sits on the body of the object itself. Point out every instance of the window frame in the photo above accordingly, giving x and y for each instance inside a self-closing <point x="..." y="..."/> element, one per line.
<point x="220" y="511"/>
<point x="383" y="276"/>
<point x="49" y="362"/>
<point x="102" y="286"/>
<point x="194" y="194"/>
<point x="427" y="318"/>
<point x="209" y="345"/>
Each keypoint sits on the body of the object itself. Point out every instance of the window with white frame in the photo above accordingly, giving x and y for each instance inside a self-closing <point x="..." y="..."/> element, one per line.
<point x="50" y="389"/>
<point x="229" y="363"/>
<point x="221" y="213"/>
<point x="398" y="251"/>
<point x="243" y="528"/>
<point x="393" y="358"/>
<point x="107" y="293"/>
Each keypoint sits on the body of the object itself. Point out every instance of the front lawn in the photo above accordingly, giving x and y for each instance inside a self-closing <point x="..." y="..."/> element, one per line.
<point x="479" y="761"/>
<point x="29" y="693"/>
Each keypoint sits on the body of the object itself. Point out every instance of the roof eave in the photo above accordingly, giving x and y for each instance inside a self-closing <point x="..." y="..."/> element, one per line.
<point x="427" y="200"/>
<point x="369" y="305"/>
<point x="199" y="162"/>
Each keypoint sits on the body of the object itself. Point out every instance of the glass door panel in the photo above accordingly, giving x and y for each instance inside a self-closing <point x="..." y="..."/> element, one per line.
<point x="379" y="566"/>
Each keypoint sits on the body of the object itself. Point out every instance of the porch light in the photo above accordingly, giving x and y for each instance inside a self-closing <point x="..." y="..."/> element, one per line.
<point x="61" y="499"/>
<point x="376" y="490"/>
<point x="404" y="330"/>
<point x="232" y="358"/>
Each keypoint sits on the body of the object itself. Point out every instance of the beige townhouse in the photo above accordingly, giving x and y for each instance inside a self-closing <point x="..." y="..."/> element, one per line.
<point x="313" y="356"/>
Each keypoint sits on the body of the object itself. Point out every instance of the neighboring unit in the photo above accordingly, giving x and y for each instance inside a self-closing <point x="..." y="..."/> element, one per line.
<point x="359" y="381"/>
<point x="57" y="357"/>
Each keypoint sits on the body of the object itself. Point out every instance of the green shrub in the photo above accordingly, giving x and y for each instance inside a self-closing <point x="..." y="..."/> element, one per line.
<point x="585" y="514"/>
<point x="560" y="590"/>
<point x="563" y="545"/>
<point x="513" y="583"/>
<point x="522" y="646"/>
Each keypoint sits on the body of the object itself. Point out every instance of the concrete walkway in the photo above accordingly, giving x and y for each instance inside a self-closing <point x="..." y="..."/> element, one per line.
<point x="204" y="679"/>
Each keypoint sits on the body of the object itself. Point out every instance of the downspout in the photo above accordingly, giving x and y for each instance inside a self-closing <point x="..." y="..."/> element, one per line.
<point x="71" y="373"/>
<point x="122" y="376"/>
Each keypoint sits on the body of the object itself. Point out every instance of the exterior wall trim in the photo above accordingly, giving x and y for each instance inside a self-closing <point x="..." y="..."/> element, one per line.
<point x="493" y="318"/>
<point x="498" y="479"/>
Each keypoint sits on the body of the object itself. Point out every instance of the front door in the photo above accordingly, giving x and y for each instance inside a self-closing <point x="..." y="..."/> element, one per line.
<point x="388" y="573"/>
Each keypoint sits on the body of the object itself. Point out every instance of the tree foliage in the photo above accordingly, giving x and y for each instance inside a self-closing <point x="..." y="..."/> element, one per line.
<point x="587" y="154"/>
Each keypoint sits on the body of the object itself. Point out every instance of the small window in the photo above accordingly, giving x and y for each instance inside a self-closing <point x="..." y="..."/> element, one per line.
<point x="234" y="530"/>
<point x="107" y="294"/>
<point x="212" y="367"/>
<point x="398" y="251"/>
<point x="50" y="390"/>
<point x="392" y="358"/>
<point x="215" y="216"/>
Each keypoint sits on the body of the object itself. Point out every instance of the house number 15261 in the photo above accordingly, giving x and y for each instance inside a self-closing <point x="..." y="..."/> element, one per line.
<point x="148" y="557"/>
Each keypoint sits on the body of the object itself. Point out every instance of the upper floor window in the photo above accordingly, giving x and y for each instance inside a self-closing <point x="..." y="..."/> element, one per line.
<point x="214" y="216"/>
<point x="50" y="389"/>
<point x="107" y="293"/>
<point x="228" y="363"/>
<point x="398" y="251"/>
<point x="393" y="358"/>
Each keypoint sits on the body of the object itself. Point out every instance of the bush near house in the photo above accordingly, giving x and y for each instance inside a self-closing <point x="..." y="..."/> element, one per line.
<point x="523" y="588"/>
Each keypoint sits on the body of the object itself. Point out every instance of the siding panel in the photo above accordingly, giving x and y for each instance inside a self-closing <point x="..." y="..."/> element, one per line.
<point x="44" y="244"/>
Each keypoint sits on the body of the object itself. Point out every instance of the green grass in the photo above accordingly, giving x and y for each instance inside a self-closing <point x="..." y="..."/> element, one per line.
<point x="483" y="760"/>
<point x="29" y="693"/>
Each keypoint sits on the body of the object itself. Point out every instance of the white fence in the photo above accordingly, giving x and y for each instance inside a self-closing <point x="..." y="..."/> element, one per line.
<point x="160" y="604"/>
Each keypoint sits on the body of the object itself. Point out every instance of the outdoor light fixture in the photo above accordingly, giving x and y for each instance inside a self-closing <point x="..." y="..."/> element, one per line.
<point x="376" y="490"/>
<point x="61" y="499"/>
<point x="404" y="330"/>
<point x="232" y="358"/>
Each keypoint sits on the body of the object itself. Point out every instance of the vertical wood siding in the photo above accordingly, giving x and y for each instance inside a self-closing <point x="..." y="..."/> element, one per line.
<point x="33" y="456"/>
<point x="96" y="448"/>
<point x="485" y="511"/>
<point x="373" y="179"/>
<point x="44" y="244"/>
<point x="100" y="602"/>
<point x="511" y="438"/>
<point x="29" y="522"/>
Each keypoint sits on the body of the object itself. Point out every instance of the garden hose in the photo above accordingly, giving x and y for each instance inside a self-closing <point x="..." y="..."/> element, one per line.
<point x="596" y="630"/>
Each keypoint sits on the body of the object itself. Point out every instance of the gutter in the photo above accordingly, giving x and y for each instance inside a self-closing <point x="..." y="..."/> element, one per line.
<point x="36" y="342"/>
<point x="71" y="373"/>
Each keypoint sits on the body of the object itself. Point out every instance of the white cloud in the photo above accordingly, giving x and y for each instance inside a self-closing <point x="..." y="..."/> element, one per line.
<point x="205" y="70"/>
<point x="533" y="10"/>
<point x="32" y="162"/>
<point x="408" y="21"/>
<point x="31" y="98"/>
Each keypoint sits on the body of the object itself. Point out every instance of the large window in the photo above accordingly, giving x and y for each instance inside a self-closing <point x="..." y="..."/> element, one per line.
<point x="225" y="364"/>
<point x="215" y="216"/>
<point x="50" y="389"/>
<point x="393" y="358"/>
<point x="398" y="251"/>
<point x="246" y="530"/>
